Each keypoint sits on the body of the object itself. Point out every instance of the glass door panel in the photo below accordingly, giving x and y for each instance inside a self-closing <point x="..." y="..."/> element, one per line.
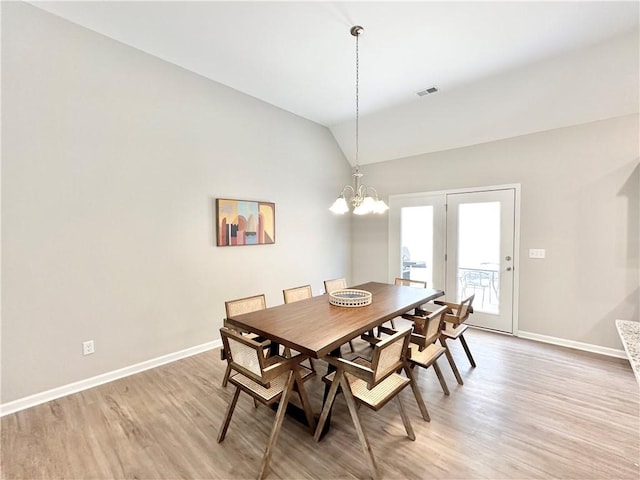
<point x="479" y="254"/>
<point x="416" y="239"/>
<point x="480" y="250"/>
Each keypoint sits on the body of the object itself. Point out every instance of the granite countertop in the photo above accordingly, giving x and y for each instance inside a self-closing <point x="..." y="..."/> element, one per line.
<point x="629" y="331"/>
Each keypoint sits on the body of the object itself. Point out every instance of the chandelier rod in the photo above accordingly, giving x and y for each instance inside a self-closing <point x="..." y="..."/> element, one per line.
<point x="356" y="31"/>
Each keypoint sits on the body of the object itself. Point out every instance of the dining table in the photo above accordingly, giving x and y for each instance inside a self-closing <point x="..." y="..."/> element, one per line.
<point x="316" y="328"/>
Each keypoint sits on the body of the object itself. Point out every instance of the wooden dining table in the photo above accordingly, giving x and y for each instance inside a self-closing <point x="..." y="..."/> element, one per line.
<point x="316" y="328"/>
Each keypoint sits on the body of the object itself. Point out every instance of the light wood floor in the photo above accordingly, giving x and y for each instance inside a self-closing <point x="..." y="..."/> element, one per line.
<point x="529" y="410"/>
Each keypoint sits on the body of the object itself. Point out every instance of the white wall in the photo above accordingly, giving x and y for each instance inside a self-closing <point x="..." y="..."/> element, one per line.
<point x="578" y="87"/>
<point x="580" y="195"/>
<point x="111" y="161"/>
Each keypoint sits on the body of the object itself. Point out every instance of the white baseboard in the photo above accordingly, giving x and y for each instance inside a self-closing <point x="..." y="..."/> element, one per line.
<point x="587" y="347"/>
<point x="42" y="397"/>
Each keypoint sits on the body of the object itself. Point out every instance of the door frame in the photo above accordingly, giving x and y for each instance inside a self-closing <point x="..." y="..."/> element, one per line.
<point x="398" y="201"/>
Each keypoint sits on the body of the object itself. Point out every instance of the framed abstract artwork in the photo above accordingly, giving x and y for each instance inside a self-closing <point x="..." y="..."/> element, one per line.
<point x="245" y="222"/>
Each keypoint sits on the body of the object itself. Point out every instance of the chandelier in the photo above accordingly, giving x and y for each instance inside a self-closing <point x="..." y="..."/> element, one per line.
<point x="364" y="199"/>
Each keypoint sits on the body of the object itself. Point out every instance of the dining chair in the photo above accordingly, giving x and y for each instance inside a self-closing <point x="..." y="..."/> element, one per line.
<point x="245" y="305"/>
<point x="407" y="282"/>
<point x="370" y="336"/>
<point x="266" y="379"/>
<point x="423" y="349"/>
<point x="296" y="294"/>
<point x="457" y="314"/>
<point x="238" y="307"/>
<point x="372" y="384"/>
<point x="333" y="285"/>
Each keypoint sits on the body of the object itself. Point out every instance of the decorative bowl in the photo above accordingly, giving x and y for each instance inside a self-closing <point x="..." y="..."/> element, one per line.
<point x="350" y="297"/>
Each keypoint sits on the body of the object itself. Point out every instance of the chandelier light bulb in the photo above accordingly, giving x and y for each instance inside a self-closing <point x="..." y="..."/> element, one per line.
<point x="340" y="206"/>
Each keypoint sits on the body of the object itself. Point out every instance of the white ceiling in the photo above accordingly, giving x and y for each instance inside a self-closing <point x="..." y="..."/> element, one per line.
<point x="300" y="56"/>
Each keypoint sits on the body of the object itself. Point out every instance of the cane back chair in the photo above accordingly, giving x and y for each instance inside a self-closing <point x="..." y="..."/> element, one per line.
<point x="296" y="294"/>
<point x="457" y="314"/>
<point x="335" y="284"/>
<point x="372" y="384"/>
<point x="454" y="328"/>
<point x="238" y="307"/>
<point x="406" y="282"/>
<point x="423" y="349"/>
<point x="332" y="286"/>
<point x="266" y="379"/>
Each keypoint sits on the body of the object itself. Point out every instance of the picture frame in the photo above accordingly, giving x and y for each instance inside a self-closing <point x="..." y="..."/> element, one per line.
<point x="245" y="222"/>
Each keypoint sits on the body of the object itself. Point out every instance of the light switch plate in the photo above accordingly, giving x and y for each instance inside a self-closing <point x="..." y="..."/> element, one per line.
<point x="537" y="253"/>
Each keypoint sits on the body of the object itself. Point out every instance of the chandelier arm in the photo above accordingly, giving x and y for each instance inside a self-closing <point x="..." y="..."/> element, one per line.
<point x="367" y="188"/>
<point x="346" y="188"/>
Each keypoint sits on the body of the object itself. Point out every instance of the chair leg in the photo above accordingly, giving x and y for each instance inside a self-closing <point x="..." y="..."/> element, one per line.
<point x="366" y="446"/>
<point x="467" y="351"/>
<point x="227" y="418"/>
<point x="227" y="373"/>
<point x="282" y="409"/>
<point x="418" y="395"/>
<point x="351" y="345"/>
<point x="456" y="373"/>
<point x="304" y="400"/>
<point x="443" y="382"/>
<point x="327" y="405"/>
<point x="406" y="420"/>
<point x="393" y="324"/>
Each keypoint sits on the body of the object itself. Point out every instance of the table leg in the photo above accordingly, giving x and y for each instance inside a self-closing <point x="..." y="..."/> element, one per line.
<point x="274" y="349"/>
<point x="330" y="369"/>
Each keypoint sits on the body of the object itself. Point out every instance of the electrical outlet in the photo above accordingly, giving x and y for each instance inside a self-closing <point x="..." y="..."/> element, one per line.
<point x="537" y="253"/>
<point x="88" y="347"/>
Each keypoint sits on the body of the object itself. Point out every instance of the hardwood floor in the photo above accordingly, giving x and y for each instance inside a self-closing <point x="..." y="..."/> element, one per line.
<point x="528" y="411"/>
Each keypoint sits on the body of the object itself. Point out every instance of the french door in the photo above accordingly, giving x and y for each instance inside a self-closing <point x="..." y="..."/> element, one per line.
<point x="462" y="242"/>
<point x="480" y="255"/>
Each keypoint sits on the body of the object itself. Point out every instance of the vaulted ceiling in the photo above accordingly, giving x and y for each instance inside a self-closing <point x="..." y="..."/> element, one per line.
<point x="502" y="68"/>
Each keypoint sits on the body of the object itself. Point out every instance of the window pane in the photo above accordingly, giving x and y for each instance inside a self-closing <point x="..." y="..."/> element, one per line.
<point x="416" y="259"/>
<point x="479" y="254"/>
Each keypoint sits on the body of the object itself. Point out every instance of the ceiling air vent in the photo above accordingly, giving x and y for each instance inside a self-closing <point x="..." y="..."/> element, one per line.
<point x="427" y="91"/>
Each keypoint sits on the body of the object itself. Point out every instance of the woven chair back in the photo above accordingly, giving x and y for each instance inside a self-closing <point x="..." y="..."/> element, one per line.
<point x="465" y="305"/>
<point x="389" y="355"/>
<point x="244" y="355"/>
<point x="296" y="294"/>
<point x="434" y="325"/>
<point x="335" y="284"/>
<point x="245" y="305"/>
<point x="406" y="282"/>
